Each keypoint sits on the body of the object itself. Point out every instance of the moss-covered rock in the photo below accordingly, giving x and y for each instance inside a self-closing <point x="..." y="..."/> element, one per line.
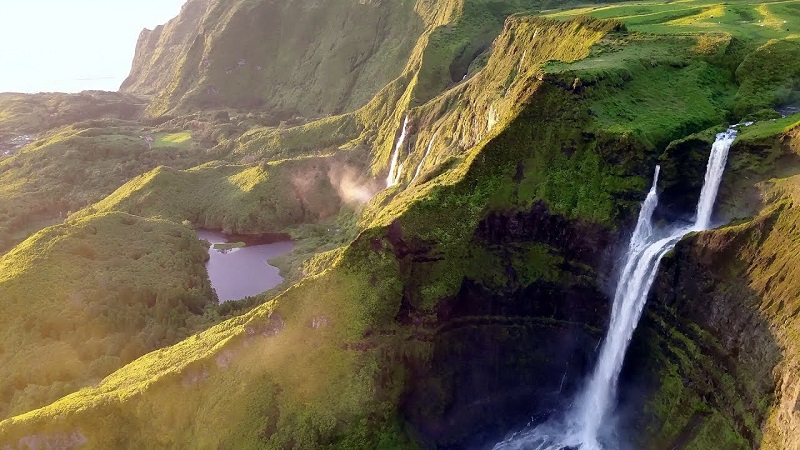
<point x="476" y="285"/>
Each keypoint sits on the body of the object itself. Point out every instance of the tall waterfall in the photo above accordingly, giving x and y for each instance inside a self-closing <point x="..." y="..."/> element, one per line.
<point x="582" y="427"/>
<point x="394" y="170"/>
<point x="716" y="166"/>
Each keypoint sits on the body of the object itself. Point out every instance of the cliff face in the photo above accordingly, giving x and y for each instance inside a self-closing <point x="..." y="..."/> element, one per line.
<point x="745" y="327"/>
<point x="158" y="51"/>
<point x="300" y="57"/>
<point x="357" y="374"/>
<point x="475" y="291"/>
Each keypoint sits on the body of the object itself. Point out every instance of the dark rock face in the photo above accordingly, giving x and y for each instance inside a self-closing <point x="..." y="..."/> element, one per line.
<point x="583" y="242"/>
<point x="502" y="359"/>
<point x="727" y="368"/>
<point x="683" y="167"/>
<point x="489" y="375"/>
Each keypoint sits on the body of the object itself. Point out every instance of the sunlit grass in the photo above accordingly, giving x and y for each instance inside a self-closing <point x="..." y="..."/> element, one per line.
<point x="767" y="128"/>
<point x="746" y="19"/>
<point x="629" y="98"/>
<point x="181" y="139"/>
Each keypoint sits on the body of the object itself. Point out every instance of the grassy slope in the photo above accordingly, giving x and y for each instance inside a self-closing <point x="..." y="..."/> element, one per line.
<point x="70" y="168"/>
<point x="730" y="411"/>
<point x="160" y="49"/>
<point x="332" y="372"/>
<point x="82" y="299"/>
<point x="462" y="201"/>
<point x="33" y="114"/>
<point x="697" y="82"/>
<point x="245" y="199"/>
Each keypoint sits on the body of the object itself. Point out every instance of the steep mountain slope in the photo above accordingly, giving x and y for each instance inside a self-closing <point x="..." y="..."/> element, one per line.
<point x="476" y="291"/>
<point x="303" y="57"/>
<point x="343" y="361"/>
<point x="158" y="51"/>
<point x="723" y="315"/>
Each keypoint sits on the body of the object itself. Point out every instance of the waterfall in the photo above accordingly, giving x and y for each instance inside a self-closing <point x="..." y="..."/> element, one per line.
<point x="582" y="427"/>
<point x="716" y="165"/>
<point x="422" y="162"/>
<point x="394" y="170"/>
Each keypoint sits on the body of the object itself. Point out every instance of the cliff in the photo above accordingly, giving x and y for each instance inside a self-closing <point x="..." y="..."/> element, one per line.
<point x="300" y="57"/>
<point x="474" y="288"/>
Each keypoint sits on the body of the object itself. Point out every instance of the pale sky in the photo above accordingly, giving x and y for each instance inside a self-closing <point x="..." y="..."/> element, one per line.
<point x="73" y="45"/>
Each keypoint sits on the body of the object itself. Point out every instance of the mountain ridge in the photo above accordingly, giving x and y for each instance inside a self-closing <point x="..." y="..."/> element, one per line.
<point x="464" y="296"/>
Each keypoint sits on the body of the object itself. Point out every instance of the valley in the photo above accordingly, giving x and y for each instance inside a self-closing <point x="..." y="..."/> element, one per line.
<point x="446" y="192"/>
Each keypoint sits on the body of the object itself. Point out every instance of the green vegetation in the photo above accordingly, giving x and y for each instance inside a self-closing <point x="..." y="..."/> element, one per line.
<point x="85" y="298"/>
<point x="337" y="68"/>
<point x="233" y="198"/>
<point x="309" y="139"/>
<point x="322" y="363"/>
<point x="769" y="76"/>
<point x="751" y="21"/>
<point x="769" y="129"/>
<point x="182" y="139"/>
<point x="33" y="114"/>
<point x="70" y="168"/>
<point x="555" y="131"/>
<point x="731" y="399"/>
<point x="761" y="38"/>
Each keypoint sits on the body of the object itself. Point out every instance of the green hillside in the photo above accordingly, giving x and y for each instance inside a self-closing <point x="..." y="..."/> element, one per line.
<point x="304" y="62"/>
<point x="69" y="168"/>
<point x="439" y="309"/>
<point x="84" y="298"/>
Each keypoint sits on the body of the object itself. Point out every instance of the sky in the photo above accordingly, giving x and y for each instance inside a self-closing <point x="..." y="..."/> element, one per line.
<point x="73" y="45"/>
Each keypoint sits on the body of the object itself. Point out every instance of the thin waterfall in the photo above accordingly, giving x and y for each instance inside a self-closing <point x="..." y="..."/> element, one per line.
<point x="394" y="170"/>
<point x="399" y="173"/>
<point x="427" y="152"/>
<point x="583" y="425"/>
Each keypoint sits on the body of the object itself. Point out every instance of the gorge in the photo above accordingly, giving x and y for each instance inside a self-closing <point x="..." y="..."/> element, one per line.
<point x="501" y="224"/>
<point x="587" y="425"/>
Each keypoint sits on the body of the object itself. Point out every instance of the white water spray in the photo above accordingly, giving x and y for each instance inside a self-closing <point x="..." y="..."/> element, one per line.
<point x="394" y="170"/>
<point x="425" y="157"/>
<point x="582" y="427"/>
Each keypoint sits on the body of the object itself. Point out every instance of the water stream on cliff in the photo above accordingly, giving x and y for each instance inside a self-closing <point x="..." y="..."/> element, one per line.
<point x="394" y="170"/>
<point x="586" y="425"/>
<point x="424" y="158"/>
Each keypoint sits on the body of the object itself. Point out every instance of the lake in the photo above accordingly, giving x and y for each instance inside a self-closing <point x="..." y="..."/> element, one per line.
<point x="242" y="272"/>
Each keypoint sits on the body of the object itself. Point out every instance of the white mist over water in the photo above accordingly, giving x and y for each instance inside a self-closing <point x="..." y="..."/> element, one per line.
<point x="394" y="170"/>
<point x="585" y="426"/>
